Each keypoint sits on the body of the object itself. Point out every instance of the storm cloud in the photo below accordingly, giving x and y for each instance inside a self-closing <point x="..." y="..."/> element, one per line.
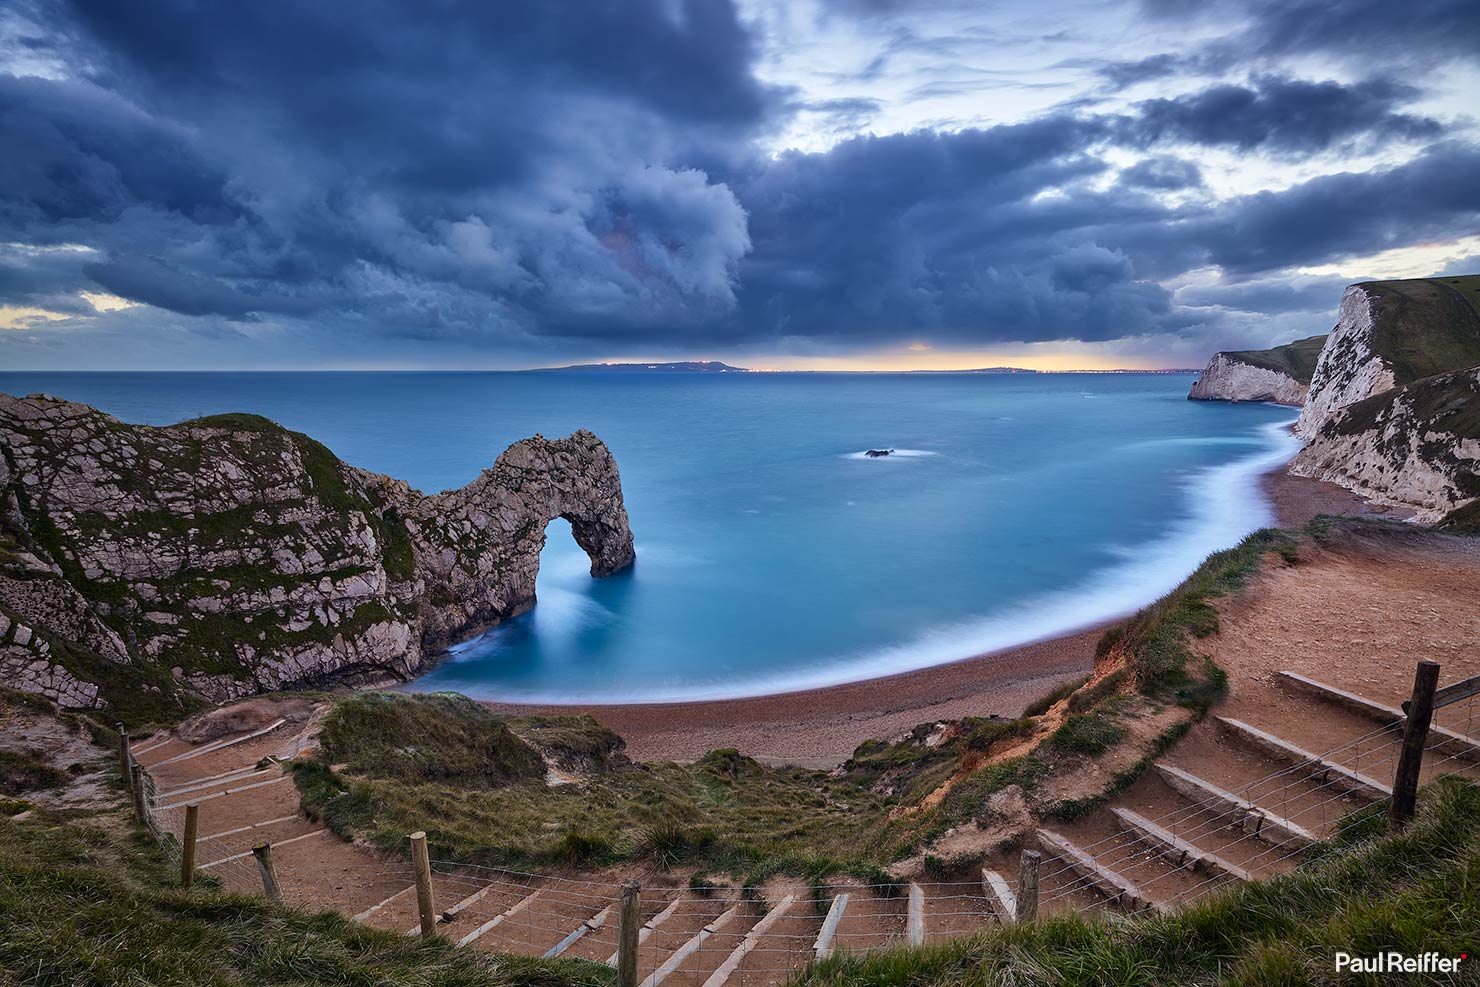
<point x="577" y="176"/>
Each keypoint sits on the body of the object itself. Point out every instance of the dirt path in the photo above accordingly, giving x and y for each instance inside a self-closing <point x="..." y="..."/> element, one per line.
<point x="1357" y="613"/>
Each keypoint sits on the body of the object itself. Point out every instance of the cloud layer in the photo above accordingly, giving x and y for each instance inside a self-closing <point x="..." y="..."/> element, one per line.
<point x="576" y="177"/>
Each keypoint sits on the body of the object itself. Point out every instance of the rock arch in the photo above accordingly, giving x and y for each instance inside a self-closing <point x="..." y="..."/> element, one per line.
<point x="478" y="547"/>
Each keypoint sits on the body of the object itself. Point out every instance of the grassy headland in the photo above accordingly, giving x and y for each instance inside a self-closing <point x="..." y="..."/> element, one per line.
<point x="1298" y="359"/>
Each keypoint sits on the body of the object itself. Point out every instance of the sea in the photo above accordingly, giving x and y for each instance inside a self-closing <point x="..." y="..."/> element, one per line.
<point x="772" y="554"/>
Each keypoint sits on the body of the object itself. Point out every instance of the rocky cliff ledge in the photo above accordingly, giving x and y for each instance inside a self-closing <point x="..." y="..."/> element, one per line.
<point x="1281" y="375"/>
<point x="151" y="568"/>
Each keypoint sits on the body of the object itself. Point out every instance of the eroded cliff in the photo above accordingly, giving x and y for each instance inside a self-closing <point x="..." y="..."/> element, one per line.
<point x="1415" y="446"/>
<point x="1281" y="375"/>
<point x="154" y="567"/>
<point x="1393" y="411"/>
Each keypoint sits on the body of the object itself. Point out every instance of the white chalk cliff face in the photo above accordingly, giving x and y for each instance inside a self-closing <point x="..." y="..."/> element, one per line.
<point x="1393" y="411"/>
<point x="227" y="556"/>
<point x="1348" y="369"/>
<point x="1393" y="449"/>
<point x="1229" y="379"/>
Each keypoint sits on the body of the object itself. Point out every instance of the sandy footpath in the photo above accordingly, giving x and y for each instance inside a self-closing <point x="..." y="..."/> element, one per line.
<point x="821" y="727"/>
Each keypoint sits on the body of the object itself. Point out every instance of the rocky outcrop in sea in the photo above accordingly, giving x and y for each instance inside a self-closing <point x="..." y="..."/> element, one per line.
<point x="226" y="556"/>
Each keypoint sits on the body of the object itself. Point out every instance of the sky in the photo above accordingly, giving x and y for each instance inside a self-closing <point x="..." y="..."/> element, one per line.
<point x="791" y="184"/>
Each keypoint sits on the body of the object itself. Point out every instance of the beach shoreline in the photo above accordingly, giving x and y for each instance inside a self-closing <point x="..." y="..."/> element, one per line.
<point x="820" y="728"/>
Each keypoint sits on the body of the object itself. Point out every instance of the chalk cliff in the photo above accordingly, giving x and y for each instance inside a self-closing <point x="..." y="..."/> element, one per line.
<point x="1416" y="446"/>
<point x="226" y="556"/>
<point x="1280" y="375"/>
<point x="1393" y="411"/>
<point x="1390" y="333"/>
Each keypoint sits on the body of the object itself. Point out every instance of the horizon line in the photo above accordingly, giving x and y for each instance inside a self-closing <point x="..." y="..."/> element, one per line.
<point x="1004" y="370"/>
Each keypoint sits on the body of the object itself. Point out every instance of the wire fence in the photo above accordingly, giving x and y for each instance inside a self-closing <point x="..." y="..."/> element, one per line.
<point x="1116" y="858"/>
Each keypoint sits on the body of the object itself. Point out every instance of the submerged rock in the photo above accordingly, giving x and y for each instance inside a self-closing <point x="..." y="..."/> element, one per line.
<point x="876" y="453"/>
<point x="226" y="556"/>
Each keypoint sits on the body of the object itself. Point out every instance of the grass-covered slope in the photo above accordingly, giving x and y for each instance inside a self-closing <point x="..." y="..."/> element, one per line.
<point x="1427" y="326"/>
<point x="1298" y="359"/>
<point x="1367" y="893"/>
<point x="87" y="901"/>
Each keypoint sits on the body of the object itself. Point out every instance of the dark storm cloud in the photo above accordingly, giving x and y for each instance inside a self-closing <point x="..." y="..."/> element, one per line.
<point x="951" y="237"/>
<point x="1434" y="197"/>
<point x="485" y="167"/>
<point x="1284" y="115"/>
<point x="520" y="176"/>
<point x="1164" y="65"/>
<point x="1166" y="173"/>
<point x="1417" y="31"/>
<point x="1369" y="32"/>
<point x="941" y="235"/>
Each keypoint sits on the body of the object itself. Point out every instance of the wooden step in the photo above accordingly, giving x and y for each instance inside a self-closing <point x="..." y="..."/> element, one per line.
<point x="1109" y="883"/>
<point x="248" y="853"/>
<point x="591" y="924"/>
<point x="219" y="745"/>
<point x="1267" y="826"/>
<point x="224" y="792"/>
<point x="1337" y="775"/>
<point x="1173" y="846"/>
<point x="677" y="958"/>
<point x="224" y="779"/>
<point x="999" y="894"/>
<point x="646" y="931"/>
<point x="1440" y="738"/>
<point x="514" y="909"/>
<point x="823" y="947"/>
<point x="722" y="974"/>
<point x="376" y="908"/>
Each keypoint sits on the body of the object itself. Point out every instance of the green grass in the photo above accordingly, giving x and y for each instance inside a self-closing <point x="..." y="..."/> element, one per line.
<point x="1042" y="704"/>
<point x="82" y="906"/>
<point x="1087" y="733"/>
<point x="725" y="812"/>
<point x="1298" y="359"/>
<point x="28" y="771"/>
<point x="1158" y="639"/>
<point x="1366" y="893"/>
<point x="1427" y="326"/>
<point x="1463" y="520"/>
<point x="442" y="737"/>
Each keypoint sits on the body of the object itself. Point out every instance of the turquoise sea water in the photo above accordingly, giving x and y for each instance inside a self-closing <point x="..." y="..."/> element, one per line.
<point x="771" y="554"/>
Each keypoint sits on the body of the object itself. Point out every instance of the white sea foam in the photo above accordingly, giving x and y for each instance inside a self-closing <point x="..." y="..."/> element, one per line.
<point x="893" y="454"/>
<point x="1225" y="503"/>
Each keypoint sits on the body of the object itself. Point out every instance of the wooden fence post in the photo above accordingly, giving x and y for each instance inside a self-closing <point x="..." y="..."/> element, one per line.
<point x="263" y="853"/>
<point x="136" y="779"/>
<point x="125" y="754"/>
<point x="1027" y="889"/>
<point x="187" y="844"/>
<point x="421" y="864"/>
<point x="1419" y="714"/>
<point x="628" y="934"/>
